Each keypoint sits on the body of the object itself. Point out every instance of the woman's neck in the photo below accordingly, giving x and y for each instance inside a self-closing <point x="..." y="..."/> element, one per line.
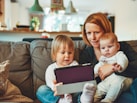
<point x="97" y="53"/>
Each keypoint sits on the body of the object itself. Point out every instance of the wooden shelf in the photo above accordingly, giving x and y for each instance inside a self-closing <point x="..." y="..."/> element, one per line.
<point x="35" y="32"/>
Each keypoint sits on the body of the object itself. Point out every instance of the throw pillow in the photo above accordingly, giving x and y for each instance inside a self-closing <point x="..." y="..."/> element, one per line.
<point x="8" y="91"/>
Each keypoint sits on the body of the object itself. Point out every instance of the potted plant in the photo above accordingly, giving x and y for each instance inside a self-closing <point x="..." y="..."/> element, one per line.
<point x="34" y="24"/>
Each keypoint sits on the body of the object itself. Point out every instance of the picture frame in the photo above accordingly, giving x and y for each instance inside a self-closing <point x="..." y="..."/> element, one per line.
<point x="57" y="5"/>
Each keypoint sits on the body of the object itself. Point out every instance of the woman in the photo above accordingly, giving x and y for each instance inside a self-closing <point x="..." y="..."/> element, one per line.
<point x="94" y="27"/>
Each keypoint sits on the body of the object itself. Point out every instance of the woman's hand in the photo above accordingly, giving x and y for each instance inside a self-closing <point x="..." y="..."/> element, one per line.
<point x="105" y="71"/>
<point x="55" y="87"/>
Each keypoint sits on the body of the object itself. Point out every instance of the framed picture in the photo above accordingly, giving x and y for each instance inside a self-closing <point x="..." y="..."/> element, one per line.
<point x="57" y="5"/>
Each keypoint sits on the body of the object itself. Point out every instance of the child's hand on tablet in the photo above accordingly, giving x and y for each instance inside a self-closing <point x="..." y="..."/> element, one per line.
<point x="55" y="87"/>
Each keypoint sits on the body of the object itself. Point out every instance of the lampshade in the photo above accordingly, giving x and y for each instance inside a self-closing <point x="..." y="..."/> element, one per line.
<point x="36" y="8"/>
<point x="70" y="8"/>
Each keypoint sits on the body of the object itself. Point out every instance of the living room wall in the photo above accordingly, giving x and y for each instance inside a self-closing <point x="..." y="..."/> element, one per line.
<point x="123" y="10"/>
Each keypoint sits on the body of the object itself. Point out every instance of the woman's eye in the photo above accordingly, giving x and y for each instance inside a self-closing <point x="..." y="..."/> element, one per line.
<point x="88" y="33"/>
<point x="96" y="32"/>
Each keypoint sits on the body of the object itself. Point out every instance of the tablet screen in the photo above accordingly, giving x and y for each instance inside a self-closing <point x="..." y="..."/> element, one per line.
<point x="73" y="74"/>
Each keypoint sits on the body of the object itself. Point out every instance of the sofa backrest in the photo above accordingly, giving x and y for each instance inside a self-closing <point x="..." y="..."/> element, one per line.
<point x="29" y="61"/>
<point x="133" y="44"/>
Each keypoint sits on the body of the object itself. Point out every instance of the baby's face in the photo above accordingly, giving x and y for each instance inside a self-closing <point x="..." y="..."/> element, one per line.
<point x="108" y="48"/>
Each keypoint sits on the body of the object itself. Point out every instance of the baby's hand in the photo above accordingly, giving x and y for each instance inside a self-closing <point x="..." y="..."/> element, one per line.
<point x="55" y="87"/>
<point x="117" y="67"/>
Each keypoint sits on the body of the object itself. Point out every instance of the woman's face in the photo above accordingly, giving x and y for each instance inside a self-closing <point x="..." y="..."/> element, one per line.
<point x="93" y="33"/>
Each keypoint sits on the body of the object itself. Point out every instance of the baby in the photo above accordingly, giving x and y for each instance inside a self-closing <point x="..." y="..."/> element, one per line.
<point x="112" y="85"/>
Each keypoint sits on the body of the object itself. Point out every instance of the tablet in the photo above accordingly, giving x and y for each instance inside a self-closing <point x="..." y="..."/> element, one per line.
<point x="74" y="78"/>
<point x="74" y="74"/>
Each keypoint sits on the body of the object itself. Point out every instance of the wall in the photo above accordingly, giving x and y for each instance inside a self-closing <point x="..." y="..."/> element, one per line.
<point x="123" y="10"/>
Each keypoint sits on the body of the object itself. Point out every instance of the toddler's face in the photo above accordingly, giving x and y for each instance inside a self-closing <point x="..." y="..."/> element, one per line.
<point x="64" y="56"/>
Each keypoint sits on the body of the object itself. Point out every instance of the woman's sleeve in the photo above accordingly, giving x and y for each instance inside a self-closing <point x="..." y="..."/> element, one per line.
<point x="131" y="54"/>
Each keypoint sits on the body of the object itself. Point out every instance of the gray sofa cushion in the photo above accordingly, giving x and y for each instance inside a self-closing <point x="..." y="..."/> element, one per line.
<point x="40" y="59"/>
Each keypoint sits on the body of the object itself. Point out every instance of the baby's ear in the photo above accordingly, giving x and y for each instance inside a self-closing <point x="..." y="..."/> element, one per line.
<point x="118" y="46"/>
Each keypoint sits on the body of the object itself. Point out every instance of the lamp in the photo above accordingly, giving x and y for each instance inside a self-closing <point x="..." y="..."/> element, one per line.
<point x="70" y="8"/>
<point x="36" y="8"/>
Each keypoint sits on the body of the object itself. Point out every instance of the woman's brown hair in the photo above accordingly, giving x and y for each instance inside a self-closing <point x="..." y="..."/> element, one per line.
<point x="99" y="19"/>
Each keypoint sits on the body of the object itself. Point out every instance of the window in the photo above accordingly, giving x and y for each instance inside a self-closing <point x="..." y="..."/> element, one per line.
<point x="62" y="22"/>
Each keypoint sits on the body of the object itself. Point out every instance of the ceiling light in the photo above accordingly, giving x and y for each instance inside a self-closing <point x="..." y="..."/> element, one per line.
<point x="36" y="8"/>
<point x="70" y="8"/>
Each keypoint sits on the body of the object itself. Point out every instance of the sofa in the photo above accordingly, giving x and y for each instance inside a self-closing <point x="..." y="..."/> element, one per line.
<point x="30" y="58"/>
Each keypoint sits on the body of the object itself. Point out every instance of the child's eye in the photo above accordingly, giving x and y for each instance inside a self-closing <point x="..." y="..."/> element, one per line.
<point x="103" y="48"/>
<point x="63" y="52"/>
<point x="110" y="46"/>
